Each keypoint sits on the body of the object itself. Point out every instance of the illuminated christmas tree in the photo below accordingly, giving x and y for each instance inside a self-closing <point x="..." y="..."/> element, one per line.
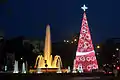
<point x="85" y="54"/>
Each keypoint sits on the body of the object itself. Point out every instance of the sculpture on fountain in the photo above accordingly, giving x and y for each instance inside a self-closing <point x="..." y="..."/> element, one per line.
<point x="16" y="67"/>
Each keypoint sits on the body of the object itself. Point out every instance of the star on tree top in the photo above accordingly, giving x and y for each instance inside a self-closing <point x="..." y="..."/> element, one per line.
<point x="84" y="7"/>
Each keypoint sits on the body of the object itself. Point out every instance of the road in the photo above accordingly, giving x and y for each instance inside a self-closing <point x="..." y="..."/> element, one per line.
<point x="11" y="76"/>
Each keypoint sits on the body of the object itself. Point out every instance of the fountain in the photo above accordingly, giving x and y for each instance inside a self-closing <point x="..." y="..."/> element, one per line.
<point x="47" y="54"/>
<point x="47" y="58"/>
<point x="23" y="68"/>
<point x="80" y="69"/>
<point x="16" y="67"/>
<point x="59" y="68"/>
<point x="39" y="70"/>
<point x="74" y="69"/>
<point x="26" y="66"/>
<point x="5" y="68"/>
<point x="68" y="69"/>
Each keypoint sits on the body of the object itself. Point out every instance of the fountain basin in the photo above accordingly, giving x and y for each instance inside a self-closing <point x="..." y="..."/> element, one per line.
<point x="49" y="70"/>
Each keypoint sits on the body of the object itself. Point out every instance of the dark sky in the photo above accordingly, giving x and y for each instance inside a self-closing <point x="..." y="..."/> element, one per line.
<point x="30" y="17"/>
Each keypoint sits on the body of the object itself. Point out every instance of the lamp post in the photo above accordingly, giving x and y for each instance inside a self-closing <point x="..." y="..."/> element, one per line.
<point x="98" y="48"/>
<point x="46" y="65"/>
<point x="117" y="49"/>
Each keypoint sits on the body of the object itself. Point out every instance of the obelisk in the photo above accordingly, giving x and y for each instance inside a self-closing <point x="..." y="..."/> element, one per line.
<point x="47" y="48"/>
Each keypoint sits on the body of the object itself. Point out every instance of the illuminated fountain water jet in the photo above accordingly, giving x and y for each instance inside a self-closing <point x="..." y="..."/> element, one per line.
<point x="16" y="67"/>
<point x="23" y="68"/>
<point x="59" y="69"/>
<point x="39" y="70"/>
<point x="74" y="69"/>
<point x="80" y="69"/>
<point x="68" y="69"/>
<point x="47" y="58"/>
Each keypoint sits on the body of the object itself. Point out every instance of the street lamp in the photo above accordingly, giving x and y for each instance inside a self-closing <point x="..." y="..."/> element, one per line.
<point x="113" y="65"/>
<point x="64" y="40"/>
<point x="113" y="55"/>
<point x="71" y="41"/>
<point x="67" y="41"/>
<point x="117" y="49"/>
<point x="98" y="46"/>
<point x="46" y="65"/>
<point x="117" y="61"/>
<point x="21" y="58"/>
<point x="97" y="53"/>
<point x="75" y="40"/>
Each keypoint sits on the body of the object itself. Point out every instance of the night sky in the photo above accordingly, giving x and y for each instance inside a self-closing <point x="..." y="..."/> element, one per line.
<point x="30" y="17"/>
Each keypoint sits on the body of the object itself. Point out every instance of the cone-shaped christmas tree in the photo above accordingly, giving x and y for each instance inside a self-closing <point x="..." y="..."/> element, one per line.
<point x="85" y="54"/>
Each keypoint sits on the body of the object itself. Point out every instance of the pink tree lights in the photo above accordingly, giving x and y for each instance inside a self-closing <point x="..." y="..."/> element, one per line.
<point x="85" y="54"/>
